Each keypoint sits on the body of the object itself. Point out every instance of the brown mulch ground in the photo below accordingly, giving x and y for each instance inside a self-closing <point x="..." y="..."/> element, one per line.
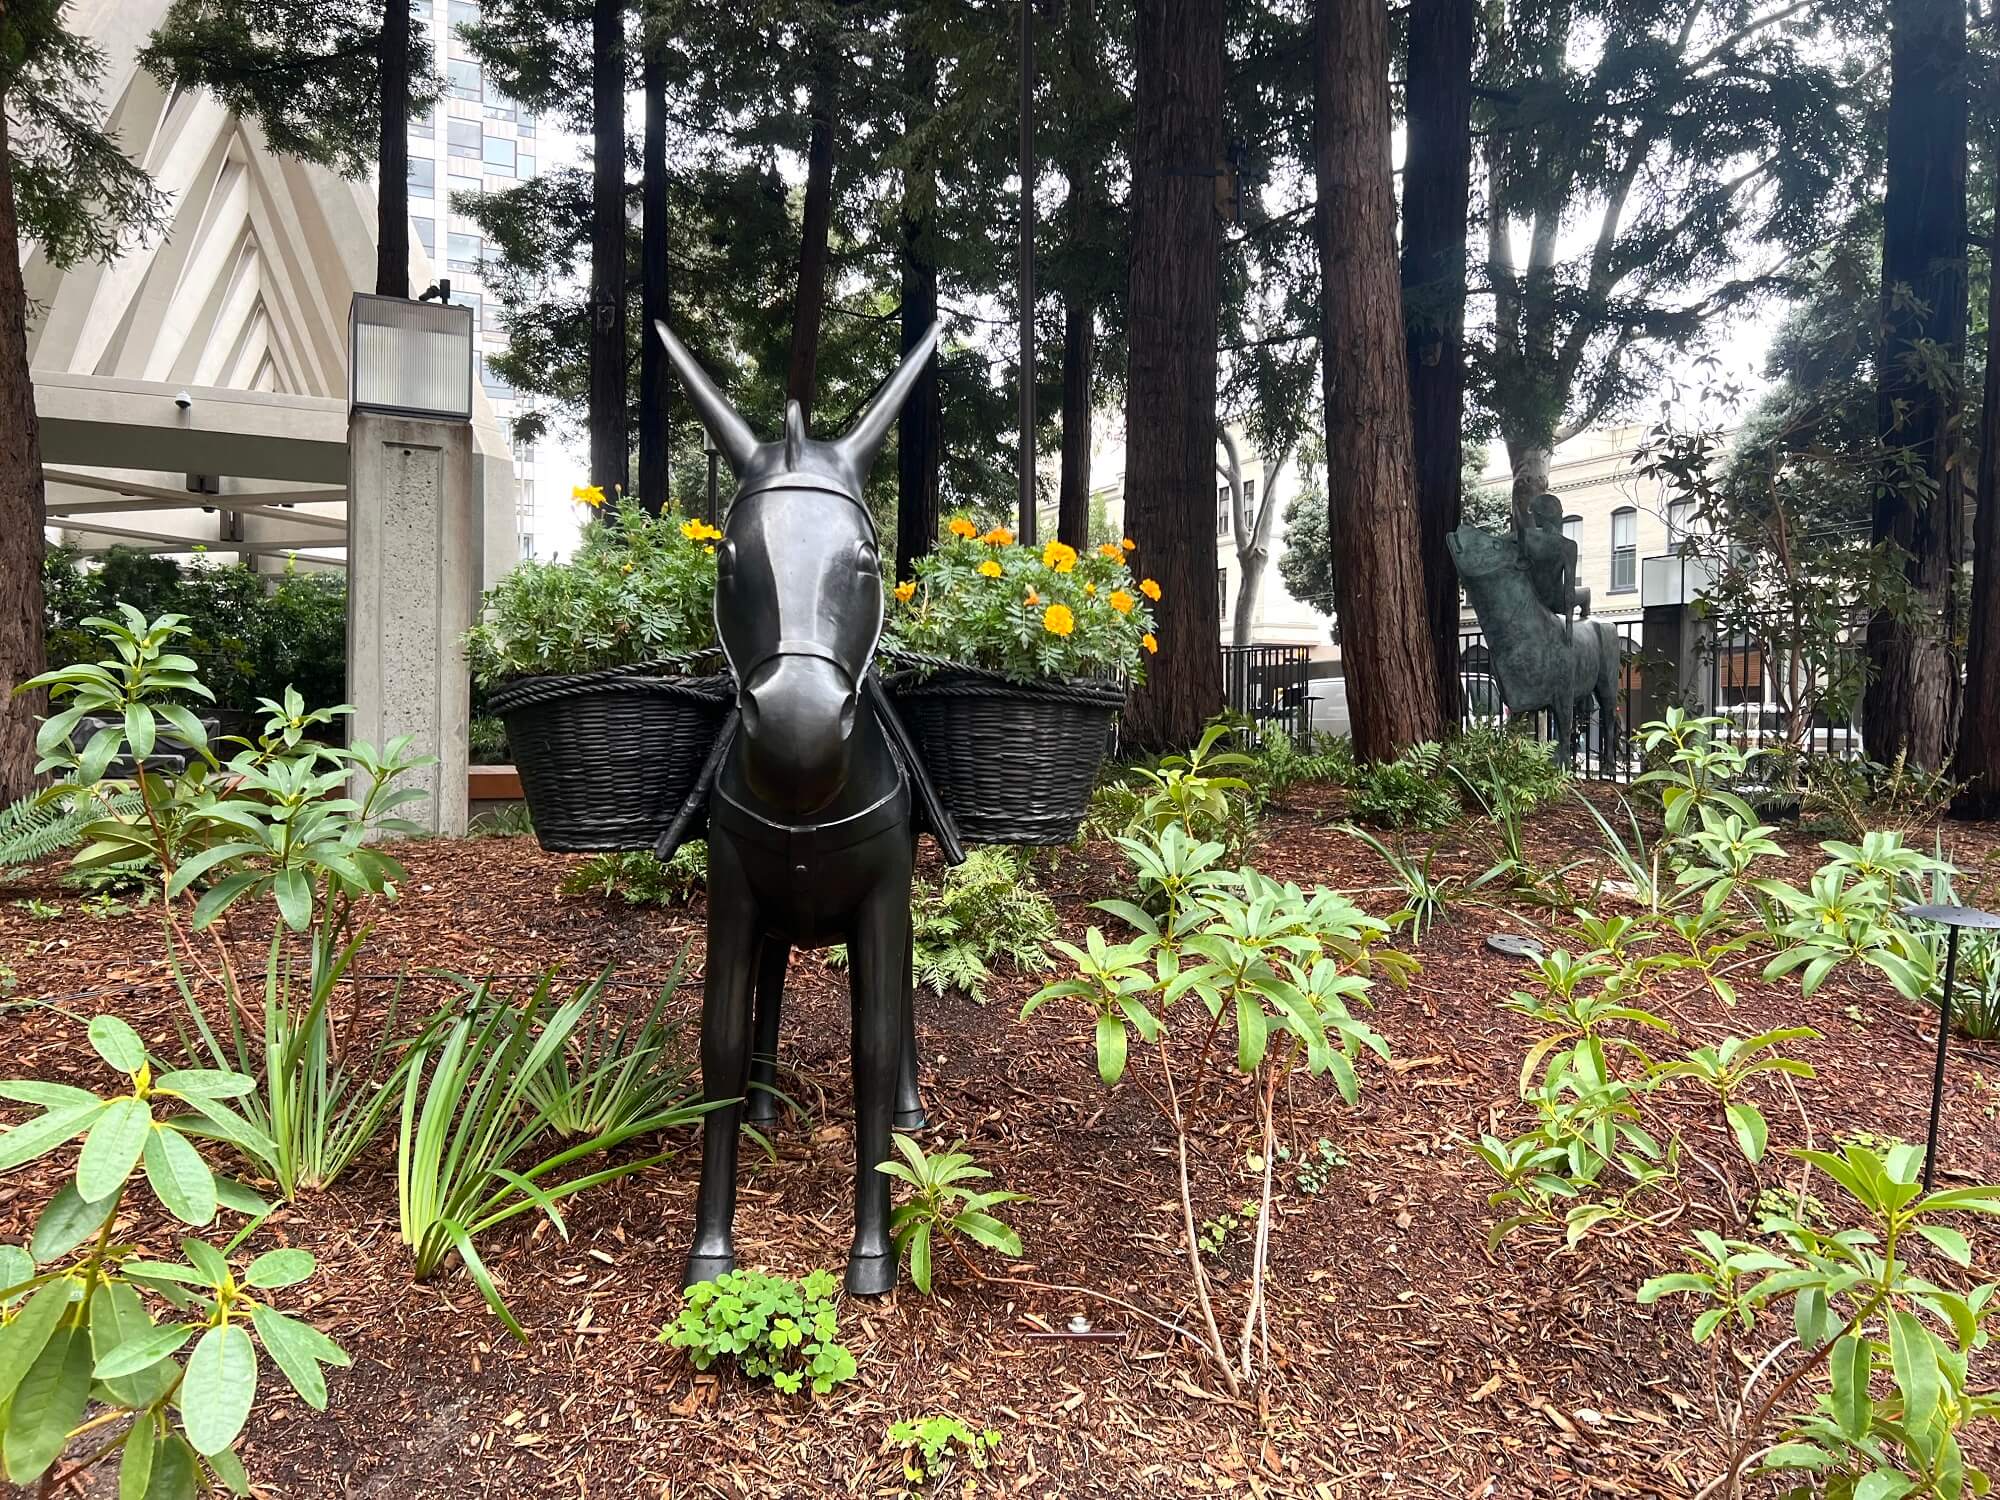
<point x="1406" y="1358"/>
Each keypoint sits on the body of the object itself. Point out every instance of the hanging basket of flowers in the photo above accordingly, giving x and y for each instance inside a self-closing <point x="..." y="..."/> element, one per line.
<point x="603" y="667"/>
<point x="1018" y="661"/>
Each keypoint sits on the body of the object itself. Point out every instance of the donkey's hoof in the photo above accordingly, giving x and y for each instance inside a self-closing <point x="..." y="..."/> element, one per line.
<point x="702" y="1268"/>
<point x="913" y="1119"/>
<point x="871" y="1275"/>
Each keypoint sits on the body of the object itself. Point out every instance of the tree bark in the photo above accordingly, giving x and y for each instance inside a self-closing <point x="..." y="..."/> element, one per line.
<point x="1079" y="356"/>
<point x="392" y="189"/>
<point x="23" y="508"/>
<point x="1372" y="522"/>
<point x="1170" y="388"/>
<point x="918" y="449"/>
<point x="655" y="433"/>
<point x="807" y="306"/>
<point x="1911" y="703"/>
<point x="1977" y="764"/>
<point x="1437" y="196"/>
<point x="610" y="450"/>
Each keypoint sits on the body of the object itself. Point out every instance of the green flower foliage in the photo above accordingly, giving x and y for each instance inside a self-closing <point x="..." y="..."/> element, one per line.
<point x="640" y="877"/>
<point x="773" y="1327"/>
<point x="944" y="1207"/>
<point x="639" y="588"/>
<point x="984" y="912"/>
<point x="988" y="602"/>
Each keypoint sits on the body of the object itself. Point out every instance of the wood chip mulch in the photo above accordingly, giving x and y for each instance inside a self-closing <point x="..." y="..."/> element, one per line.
<point x="1406" y="1359"/>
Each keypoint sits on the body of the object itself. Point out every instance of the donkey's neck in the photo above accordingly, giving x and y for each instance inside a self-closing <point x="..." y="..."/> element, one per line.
<point x="1510" y="596"/>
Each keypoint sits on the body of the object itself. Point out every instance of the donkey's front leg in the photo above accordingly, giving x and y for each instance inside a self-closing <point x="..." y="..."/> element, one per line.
<point x="734" y="931"/>
<point x="876" y="954"/>
<point x="909" y="1098"/>
<point x="761" y="1107"/>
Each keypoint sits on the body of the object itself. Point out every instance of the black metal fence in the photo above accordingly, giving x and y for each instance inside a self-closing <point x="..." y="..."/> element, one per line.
<point x="1598" y="756"/>
<point x="1272" y="685"/>
<point x="1782" y="684"/>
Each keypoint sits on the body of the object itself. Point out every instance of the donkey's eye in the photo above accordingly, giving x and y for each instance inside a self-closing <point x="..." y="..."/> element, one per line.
<point x="867" y="560"/>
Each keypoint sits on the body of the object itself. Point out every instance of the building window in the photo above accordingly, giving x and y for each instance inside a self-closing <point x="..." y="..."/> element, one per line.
<point x="1250" y="498"/>
<point x="496" y="386"/>
<point x="471" y="300"/>
<point x="426" y="234"/>
<point x="462" y="252"/>
<point x="1222" y="510"/>
<point x="527" y="544"/>
<point x="423" y="126"/>
<point x="1624" y="550"/>
<point x="1680" y="523"/>
<point x="524" y="166"/>
<point x="525" y="128"/>
<point x="463" y="79"/>
<point x="500" y="153"/>
<point x="464" y="12"/>
<point x="421" y="9"/>
<point x="422" y="177"/>
<point x="1222" y="592"/>
<point x="1572" y="528"/>
<point x="462" y="137"/>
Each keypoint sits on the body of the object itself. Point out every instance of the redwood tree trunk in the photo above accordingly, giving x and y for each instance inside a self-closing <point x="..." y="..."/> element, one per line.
<point x="1437" y="194"/>
<point x="392" y="190"/>
<point x="1079" y="356"/>
<point x="655" y="436"/>
<point x="609" y="446"/>
<point x="801" y="375"/>
<point x="1378" y="573"/>
<point x="918" y="449"/>
<point x="1170" y="389"/>
<point x="1977" y="764"/>
<point x="1912" y="700"/>
<point x="23" y="512"/>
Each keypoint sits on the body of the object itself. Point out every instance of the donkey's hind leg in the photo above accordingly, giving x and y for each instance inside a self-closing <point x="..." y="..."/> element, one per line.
<point x="909" y="1098"/>
<point x="734" y="928"/>
<point x="875" y="947"/>
<point x="761" y="1106"/>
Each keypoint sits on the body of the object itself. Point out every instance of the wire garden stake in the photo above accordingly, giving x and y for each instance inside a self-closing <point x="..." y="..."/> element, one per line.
<point x="1953" y="919"/>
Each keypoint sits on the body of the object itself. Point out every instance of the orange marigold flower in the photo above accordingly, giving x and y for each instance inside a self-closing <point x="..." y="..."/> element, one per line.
<point x="1128" y="544"/>
<point x="1110" y="550"/>
<point x="1057" y="620"/>
<point x="1033" y="597"/>
<point x="1090" y="589"/>
<point x="1149" y="643"/>
<point x="999" y="536"/>
<point x="960" y="526"/>
<point x="989" y="569"/>
<point x="1150" y="589"/>
<point x="588" y="494"/>
<point x="1122" y="601"/>
<point x="1060" y="556"/>
<point x="904" y="591"/>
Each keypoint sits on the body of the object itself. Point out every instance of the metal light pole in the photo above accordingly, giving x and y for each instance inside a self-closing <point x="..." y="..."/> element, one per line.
<point x="1025" y="528"/>
<point x="714" y="457"/>
<point x="1952" y="918"/>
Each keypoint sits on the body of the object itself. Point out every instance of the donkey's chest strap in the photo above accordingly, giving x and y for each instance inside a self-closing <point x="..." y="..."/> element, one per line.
<point x="798" y="841"/>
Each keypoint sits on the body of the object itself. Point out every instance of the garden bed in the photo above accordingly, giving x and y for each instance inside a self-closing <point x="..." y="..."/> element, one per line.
<point x="1406" y="1357"/>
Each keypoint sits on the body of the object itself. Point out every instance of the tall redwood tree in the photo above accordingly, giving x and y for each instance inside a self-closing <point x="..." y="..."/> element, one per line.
<point x="655" y="270"/>
<point x="1977" y="763"/>
<point x="610" y="447"/>
<point x="1437" y="195"/>
<point x="1911" y="703"/>
<point x="1378" y="573"/>
<point x="1170" y="386"/>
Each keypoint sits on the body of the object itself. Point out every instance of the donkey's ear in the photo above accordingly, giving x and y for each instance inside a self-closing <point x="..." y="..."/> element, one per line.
<point x="865" y="438"/>
<point x="731" y="434"/>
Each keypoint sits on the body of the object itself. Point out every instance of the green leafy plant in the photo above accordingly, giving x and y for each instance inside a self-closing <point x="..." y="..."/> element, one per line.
<point x="1523" y="767"/>
<point x="1727" y="1066"/>
<point x="1202" y="792"/>
<point x="984" y="913"/>
<point x="1314" y="1171"/>
<point x="1427" y="895"/>
<point x="931" y="1447"/>
<point x="1873" y="1394"/>
<point x="474" y="1148"/>
<point x="772" y="1328"/>
<point x="641" y="878"/>
<point x="1404" y="793"/>
<point x="614" y="1068"/>
<point x="944" y="1208"/>
<point x="36" y="828"/>
<point x="983" y="600"/>
<point x="75" y="1321"/>
<point x="638" y="588"/>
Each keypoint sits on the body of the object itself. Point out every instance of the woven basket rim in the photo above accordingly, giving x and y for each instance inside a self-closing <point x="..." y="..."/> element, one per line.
<point x="640" y="678"/>
<point x="960" y="681"/>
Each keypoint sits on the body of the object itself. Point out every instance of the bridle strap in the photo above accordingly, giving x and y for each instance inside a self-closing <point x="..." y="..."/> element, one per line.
<point x="789" y="647"/>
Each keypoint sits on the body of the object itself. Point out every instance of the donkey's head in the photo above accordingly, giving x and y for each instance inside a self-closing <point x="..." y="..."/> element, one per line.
<point x="798" y="583"/>
<point x="1479" y="554"/>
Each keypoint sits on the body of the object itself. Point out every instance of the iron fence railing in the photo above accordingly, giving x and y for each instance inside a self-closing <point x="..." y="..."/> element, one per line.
<point x="1272" y="685"/>
<point x="1778" y="687"/>
<point x="1598" y="757"/>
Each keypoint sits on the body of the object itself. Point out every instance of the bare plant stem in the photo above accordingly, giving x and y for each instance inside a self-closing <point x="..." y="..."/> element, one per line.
<point x="1261" y="1258"/>
<point x="1217" y="1348"/>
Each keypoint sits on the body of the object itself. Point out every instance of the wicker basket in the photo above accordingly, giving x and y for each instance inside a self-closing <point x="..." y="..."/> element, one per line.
<point x="1015" y="763"/>
<point x="607" y="758"/>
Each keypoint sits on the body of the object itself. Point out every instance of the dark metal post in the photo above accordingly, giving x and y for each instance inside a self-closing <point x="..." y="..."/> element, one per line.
<point x="1025" y="529"/>
<point x="714" y="457"/>
<point x="1937" y="1073"/>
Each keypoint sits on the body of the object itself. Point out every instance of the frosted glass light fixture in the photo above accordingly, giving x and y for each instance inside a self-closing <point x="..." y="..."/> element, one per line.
<point x="410" y="358"/>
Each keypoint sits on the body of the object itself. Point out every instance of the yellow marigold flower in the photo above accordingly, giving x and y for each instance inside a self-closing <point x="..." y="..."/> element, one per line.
<point x="1128" y="544"/>
<point x="1122" y="601"/>
<point x="1150" y="589"/>
<point x="709" y="550"/>
<point x="1060" y="556"/>
<point x="587" y="494"/>
<point x="905" y="591"/>
<point x="1057" y="620"/>
<point x="698" y="530"/>
<point x="1110" y="550"/>
<point x="628" y="567"/>
<point x="1149" y="643"/>
<point x="999" y="536"/>
<point x="989" y="569"/>
<point x="1090" y="589"/>
<point x="960" y="526"/>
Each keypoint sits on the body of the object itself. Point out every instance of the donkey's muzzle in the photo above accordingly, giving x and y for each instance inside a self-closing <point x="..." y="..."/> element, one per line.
<point x="798" y="722"/>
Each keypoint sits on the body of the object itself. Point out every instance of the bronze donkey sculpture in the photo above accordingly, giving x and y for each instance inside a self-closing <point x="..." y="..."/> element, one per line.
<point x="813" y="799"/>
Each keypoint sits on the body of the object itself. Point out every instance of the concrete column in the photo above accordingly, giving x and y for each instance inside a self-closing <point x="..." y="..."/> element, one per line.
<point x="413" y="572"/>
<point x="1674" y="668"/>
